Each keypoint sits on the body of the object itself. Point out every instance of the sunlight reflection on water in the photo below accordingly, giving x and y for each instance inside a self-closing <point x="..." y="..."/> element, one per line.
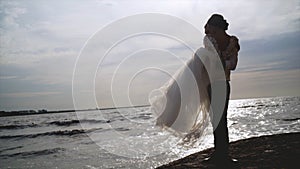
<point x="28" y="140"/>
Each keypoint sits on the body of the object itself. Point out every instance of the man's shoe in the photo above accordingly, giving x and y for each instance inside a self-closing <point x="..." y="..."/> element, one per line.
<point x="214" y="157"/>
<point x="218" y="158"/>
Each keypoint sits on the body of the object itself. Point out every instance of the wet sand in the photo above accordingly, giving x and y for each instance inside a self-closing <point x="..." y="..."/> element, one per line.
<point x="273" y="151"/>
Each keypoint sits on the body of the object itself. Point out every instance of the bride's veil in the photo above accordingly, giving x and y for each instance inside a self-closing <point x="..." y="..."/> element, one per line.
<point x="182" y="104"/>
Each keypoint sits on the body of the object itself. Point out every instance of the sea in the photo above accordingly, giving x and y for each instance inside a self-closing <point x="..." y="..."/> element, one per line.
<point x="128" y="137"/>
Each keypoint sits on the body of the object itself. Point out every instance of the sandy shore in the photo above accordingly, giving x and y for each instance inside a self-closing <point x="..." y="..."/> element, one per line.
<point x="274" y="151"/>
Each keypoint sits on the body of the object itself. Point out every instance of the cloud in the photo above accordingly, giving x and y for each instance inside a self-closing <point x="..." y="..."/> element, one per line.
<point x="10" y="13"/>
<point x="107" y="2"/>
<point x="261" y="19"/>
<point x="279" y="52"/>
<point x="7" y="77"/>
<point x="268" y="83"/>
<point x="41" y="40"/>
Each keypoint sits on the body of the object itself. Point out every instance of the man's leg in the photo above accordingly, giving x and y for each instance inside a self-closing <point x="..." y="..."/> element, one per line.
<point x="219" y="120"/>
<point x="221" y="138"/>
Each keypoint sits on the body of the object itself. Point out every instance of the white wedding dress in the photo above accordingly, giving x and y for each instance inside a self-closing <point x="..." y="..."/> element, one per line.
<point x="182" y="104"/>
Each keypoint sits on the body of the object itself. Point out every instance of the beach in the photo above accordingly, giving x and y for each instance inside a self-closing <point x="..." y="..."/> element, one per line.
<point x="271" y="151"/>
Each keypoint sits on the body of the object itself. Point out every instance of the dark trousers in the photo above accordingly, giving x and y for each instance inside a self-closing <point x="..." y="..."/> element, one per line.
<point x="218" y="116"/>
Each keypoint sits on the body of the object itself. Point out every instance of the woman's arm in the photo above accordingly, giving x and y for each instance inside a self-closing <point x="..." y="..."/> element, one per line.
<point x="232" y="54"/>
<point x="232" y="62"/>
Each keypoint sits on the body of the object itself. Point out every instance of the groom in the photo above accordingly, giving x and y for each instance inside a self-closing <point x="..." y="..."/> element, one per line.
<point x="227" y="47"/>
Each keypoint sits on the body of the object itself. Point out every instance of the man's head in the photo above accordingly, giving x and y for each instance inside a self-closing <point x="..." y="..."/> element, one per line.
<point x="215" y="23"/>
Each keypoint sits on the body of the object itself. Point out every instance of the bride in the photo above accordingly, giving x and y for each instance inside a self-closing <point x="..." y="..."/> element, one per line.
<point x="184" y="104"/>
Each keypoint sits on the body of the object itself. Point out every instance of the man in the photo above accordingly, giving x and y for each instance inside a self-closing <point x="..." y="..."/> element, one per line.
<point x="227" y="47"/>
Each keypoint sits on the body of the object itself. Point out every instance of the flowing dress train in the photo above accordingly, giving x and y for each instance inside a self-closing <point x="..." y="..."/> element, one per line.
<point x="184" y="104"/>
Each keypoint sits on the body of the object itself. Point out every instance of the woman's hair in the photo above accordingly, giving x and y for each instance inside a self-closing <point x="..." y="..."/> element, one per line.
<point x="218" y="20"/>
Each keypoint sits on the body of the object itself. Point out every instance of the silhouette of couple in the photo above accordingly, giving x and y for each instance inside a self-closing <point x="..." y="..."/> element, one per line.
<point x="184" y="111"/>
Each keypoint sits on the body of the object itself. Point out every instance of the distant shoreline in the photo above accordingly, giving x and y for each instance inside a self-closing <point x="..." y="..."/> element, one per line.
<point x="43" y="111"/>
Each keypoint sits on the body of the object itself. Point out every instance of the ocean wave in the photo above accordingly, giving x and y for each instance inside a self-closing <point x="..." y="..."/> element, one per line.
<point x="11" y="148"/>
<point x="56" y="123"/>
<point x="292" y="119"/>
<point x="259" y="106"/>
<point x="8" y="127"/>
<point x="143" y="116"/>
<point x="75" y="122"/>
<point x="121" y="129"/>
<point x="64" y="123"/>
<point x="62" y="133"/>
<point x="34" y="153"/>
<point x="246" y="106"/>
<point x="51" y="133"/>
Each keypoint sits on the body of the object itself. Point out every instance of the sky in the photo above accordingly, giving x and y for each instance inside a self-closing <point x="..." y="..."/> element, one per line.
<point x="42" y="42"/>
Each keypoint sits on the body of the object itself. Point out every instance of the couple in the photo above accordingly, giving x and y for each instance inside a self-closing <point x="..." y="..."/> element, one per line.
<point x="201" y="89"/>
